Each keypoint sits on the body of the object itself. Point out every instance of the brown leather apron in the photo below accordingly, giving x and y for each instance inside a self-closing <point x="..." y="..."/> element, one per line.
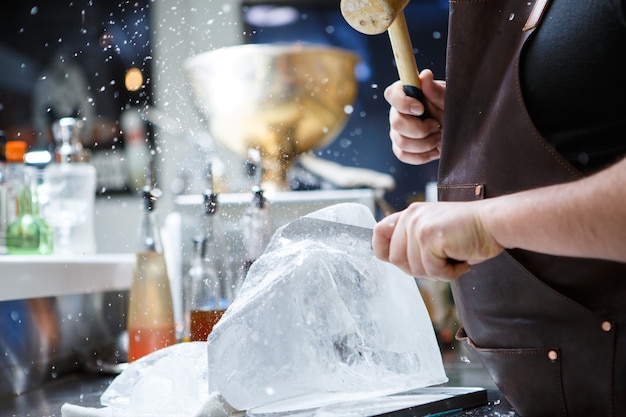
<point x="550" y="330"/>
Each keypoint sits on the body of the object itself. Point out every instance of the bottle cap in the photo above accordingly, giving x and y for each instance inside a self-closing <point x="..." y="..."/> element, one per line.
<point x="14" y="150"/>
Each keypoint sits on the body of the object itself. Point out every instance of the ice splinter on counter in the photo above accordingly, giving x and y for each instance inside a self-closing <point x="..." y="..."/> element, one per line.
<point x="150" y="321"/>
<point x="319" y="319"/>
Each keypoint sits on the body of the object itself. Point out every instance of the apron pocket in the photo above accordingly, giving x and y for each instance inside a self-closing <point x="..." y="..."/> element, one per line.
<point x="540" y="368"/>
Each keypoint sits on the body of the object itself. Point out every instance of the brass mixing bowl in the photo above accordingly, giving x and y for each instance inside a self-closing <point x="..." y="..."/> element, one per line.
<point x="282" y="99"/>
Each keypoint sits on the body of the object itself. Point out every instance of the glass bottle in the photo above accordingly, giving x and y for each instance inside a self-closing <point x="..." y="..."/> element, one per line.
<point x="136" y="151"/>
<point x="209" y="276"/>
<point x="15" y="174"/>
<point x="257" y="225"/>
<point x="150" y="322"/>
<point x="68" y="192"/>
<point x="27" y="232"/>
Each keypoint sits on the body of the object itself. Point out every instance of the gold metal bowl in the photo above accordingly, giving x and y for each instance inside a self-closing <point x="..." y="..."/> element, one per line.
<point x="282" y="99"/>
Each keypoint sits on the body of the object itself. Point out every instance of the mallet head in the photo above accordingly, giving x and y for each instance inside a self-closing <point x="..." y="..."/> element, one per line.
<point x="371" y="17"/>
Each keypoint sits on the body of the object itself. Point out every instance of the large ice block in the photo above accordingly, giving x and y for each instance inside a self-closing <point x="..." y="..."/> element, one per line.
<point x="321" y="319"/>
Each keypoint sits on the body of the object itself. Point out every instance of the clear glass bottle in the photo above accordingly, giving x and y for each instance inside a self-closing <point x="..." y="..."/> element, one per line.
<point x="210" y="282"/>
<point x="68" y="192"/>
<point x="27" y="232"/>
<point x="136" y="150"/>
<point x="207" y="303"/>
<point x="257" y="224"/>
<point x="150" y="322"/>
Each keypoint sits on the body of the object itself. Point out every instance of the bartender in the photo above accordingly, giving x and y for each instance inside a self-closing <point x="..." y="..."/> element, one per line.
<point x="531" y="223"/>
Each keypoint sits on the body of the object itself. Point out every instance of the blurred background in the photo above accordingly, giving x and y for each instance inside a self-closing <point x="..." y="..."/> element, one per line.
<point x="105" y="60"/>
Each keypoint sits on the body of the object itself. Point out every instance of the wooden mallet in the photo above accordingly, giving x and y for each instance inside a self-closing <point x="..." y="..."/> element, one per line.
<point x="373" y="17"/>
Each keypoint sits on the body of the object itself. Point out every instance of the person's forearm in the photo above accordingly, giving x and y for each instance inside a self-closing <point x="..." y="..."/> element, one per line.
<point x="585" y="218"/>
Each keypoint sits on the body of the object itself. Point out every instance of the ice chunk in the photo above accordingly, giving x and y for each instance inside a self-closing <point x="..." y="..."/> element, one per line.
<point x="171" y="381"/>
<point x="321" y="318"/>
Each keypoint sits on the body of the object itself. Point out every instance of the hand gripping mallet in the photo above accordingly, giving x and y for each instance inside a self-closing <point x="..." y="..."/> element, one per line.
<point x="373" y="17"/>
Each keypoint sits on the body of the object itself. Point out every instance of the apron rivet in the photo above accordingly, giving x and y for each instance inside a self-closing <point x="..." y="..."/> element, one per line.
<point x="606" y="326"/>
<point x="552" y="355"/>
<point x="478" y="190"/>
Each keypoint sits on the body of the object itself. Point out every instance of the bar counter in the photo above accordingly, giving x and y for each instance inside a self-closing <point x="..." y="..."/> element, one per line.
<point x="84" y="389"/>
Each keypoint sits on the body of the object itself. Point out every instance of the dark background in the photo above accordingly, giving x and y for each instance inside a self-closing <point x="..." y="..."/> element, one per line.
<point x="69" y="58"/>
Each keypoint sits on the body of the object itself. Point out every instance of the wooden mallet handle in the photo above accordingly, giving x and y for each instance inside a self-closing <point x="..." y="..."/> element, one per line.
<point x="373" y="17"/>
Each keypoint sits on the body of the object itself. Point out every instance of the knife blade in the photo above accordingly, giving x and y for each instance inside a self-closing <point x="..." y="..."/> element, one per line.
<point x="314" y="228"/>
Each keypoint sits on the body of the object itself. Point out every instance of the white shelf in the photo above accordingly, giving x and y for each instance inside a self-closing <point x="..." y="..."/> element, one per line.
<point x="34" y="276"/>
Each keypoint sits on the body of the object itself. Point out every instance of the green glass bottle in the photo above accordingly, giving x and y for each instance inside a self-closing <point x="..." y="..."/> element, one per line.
<point x="27" y="233"/>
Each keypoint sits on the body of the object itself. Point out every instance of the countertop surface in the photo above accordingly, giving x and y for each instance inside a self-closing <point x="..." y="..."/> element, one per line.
<point x="85" y="389"/>
<point x="32" y="276"/>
